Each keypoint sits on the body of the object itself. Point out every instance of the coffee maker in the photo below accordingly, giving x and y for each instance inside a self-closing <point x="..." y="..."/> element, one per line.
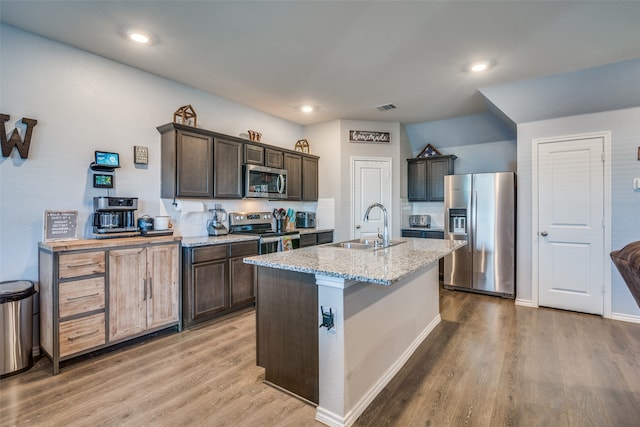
<point x="115" y="217"/>
<point x="217" y="217"/>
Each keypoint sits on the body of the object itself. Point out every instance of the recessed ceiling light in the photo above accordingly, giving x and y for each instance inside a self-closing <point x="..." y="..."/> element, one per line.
<point x="477" y="67"/>
<point x="306" y="108"/>
<point x="138" y="36"/>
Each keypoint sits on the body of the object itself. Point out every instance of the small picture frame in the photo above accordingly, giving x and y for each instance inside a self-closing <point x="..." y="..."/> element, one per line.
<point x="140" y="155"/>
<point x="428" y="151"/>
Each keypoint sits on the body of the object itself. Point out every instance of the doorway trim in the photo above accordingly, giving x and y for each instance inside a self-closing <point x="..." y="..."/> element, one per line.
<point x="535" y="142"/>
<point x="352" y="207"/>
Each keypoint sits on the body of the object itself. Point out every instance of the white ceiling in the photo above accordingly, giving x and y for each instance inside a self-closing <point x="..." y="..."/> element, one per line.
<point x="344" y="57"/>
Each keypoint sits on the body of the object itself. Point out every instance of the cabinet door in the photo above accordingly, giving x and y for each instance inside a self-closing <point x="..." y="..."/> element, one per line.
<point x="273" y="159"/>
<point x="227" y="169"/>
<point x="127" y="292"/>
<point x="253" y="154"/>
<point x="417" y="180"/>
<point x="210" y="284"/>
<point x="309" y="179"/>
<point x="293" y="165"/>
<point x="242" y="279"/>
<point x="243" y="282"/>
<point x="194" y="165"/>
<point x="437" y="169"/>
<point x="162" y="285"/>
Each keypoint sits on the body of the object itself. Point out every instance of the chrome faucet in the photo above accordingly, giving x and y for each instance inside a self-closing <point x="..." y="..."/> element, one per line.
<point x="385" y="233"/>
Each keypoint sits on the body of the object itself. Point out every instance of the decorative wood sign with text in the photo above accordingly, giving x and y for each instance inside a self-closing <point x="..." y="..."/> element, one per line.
<point x="369" y="136"/>
<point x="14" y="140"/>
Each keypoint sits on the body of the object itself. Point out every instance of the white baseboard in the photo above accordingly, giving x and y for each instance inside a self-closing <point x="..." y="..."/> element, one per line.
<point x="525" y="303"/>
<point x="625" y="317"/>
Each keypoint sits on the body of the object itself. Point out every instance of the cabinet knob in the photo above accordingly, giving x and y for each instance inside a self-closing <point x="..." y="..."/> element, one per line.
<point x="358" y="226"/>
<point x="544" y="234"/>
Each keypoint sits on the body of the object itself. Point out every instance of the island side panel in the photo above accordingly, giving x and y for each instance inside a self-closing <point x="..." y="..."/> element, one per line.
<point x="287" y="330"/>
<point x="377" y="329"/>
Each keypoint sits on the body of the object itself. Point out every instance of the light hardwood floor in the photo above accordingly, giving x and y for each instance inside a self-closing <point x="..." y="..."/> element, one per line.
<point x="489" y="363"/>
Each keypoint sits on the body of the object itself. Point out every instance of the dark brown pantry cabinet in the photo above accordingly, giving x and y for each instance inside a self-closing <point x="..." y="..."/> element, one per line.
<point x="216" y="281"/>
<point x="426" y="177"/>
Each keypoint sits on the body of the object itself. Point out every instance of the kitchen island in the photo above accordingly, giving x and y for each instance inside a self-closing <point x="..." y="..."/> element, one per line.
<point x="378" y="306"/>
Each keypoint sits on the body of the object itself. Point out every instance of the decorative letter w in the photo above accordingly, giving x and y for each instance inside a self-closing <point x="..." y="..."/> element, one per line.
<point x="14" y="140"/>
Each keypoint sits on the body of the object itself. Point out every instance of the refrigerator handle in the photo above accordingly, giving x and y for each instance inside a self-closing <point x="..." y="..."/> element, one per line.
<point x="473" y="220"/>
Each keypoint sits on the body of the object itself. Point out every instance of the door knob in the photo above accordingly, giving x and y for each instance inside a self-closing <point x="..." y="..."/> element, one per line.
<point x="358" y="226"/>
<point x="544" y="234"/>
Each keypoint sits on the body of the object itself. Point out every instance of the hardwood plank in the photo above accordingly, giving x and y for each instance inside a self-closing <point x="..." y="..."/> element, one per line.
<point x="488" y="363"/>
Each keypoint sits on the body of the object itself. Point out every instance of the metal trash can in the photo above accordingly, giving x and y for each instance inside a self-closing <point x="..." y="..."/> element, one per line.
<point x="16" y="326"/>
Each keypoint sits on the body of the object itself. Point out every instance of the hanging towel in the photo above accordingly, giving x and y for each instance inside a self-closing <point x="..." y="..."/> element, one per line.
<point x="287" y="243"/>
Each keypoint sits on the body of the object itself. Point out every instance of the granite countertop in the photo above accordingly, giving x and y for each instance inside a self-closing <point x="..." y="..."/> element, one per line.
<point x="190" y="242"/>
<point x="312" y="230"/>
<point x="382" y="266"/>
<point x="424" y="228"/>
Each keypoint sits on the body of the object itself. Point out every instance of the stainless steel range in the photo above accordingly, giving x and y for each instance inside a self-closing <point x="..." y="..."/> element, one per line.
<point x="262" y="224"/>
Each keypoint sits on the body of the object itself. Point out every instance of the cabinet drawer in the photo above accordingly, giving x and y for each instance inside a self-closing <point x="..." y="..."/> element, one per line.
<point x="81" y="264"/>
<point x="81" y="296"/>
<point x="244" y="248"/>
<point x="325" y="237"/>
<point x="310" y="239"/>
<point x="209" y="253"/>
<point x="81" y="334"/>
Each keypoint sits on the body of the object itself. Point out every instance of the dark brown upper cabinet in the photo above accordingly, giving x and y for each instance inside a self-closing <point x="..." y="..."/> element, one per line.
<point x="426" y="177"/>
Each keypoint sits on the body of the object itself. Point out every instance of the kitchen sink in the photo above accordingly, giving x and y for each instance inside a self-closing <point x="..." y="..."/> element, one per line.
<point x="364" y="244"/>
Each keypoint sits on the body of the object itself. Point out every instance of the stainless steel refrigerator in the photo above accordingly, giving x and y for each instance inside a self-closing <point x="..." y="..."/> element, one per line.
<point x="480" y="208"/>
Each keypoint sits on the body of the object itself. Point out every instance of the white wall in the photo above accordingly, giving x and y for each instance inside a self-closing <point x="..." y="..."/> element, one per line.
<point x="84" y="103"/>
<point x="625" y="128"/>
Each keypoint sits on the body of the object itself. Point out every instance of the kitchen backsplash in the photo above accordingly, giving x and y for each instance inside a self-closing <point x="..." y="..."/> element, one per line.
<point x="189" y="217"/>
<point x="435" y="209"/>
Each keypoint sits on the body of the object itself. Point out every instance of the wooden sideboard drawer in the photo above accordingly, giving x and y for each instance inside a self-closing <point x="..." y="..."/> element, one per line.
<point x="209" y="253"/>
<point x="81" y="264"/>
<point x="81" y="296"/>
<point x="81" y="334"/>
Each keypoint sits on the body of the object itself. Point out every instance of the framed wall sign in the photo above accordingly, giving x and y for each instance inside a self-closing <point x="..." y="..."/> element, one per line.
<point x="60" y="225"/>
<point x="370" y="136"/>
<point x="140" y="155"/>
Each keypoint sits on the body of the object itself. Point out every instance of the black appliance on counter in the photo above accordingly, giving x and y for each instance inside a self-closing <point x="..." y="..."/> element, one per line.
<point x="115" y="217"/>
<point x="262" y="224"/>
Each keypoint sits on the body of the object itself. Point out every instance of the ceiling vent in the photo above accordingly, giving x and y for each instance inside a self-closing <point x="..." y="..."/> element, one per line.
<point x="386" y="107"/>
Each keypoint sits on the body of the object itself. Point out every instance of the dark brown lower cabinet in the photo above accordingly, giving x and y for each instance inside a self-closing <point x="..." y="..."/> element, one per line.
<point x="216" y="281"/>
<point x="287" y="330"/>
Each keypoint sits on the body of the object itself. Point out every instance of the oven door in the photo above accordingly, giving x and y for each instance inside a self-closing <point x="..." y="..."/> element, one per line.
<point x="279" y="243"/>
<point x="263" y="182"/>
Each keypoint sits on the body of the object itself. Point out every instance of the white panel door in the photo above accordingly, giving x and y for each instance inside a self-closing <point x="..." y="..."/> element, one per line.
<point x="571" y="224"/>
<point x="372" y="184"/>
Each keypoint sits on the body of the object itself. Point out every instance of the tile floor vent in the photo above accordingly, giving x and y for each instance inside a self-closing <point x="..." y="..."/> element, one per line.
<point x="386" y="107"/>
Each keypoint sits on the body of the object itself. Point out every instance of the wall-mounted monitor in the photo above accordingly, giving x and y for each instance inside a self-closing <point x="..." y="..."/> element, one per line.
<point x="108" y="160"/>
<point x="102" y="180"/>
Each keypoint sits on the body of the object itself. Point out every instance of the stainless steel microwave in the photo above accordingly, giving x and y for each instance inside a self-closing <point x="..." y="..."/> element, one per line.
<point x="263" y="182"/>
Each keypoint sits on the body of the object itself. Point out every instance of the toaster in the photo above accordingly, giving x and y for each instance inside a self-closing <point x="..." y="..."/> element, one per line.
<point x="420" y="221"/>
<point x="305" y="219"/>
